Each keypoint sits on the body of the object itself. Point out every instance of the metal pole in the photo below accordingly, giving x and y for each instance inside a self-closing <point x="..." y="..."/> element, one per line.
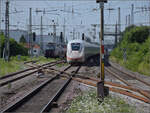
<point x="0" y="26"/>
<point x="30" y="33"/>
<point x="132" y="15"/>
<point x="64" y="29"/>
<point x="6" y="54"/>
<point x="54" y="33"/>
<point x="73" y="33"/>
<point x="126" y="21"/>
<point x="41" y="30"/>
<point x="100" y="85"/>
<point x="102" y="76"/>
<point x="116" y="35"/>
<point x="0" y="14"/>
<point x="119" y="22"/>
<point x="149" y="12"/>
<point x="129" y="20"/>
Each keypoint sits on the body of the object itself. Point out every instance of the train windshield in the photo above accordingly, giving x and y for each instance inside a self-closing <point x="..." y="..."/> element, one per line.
<point x="75" y="46"/>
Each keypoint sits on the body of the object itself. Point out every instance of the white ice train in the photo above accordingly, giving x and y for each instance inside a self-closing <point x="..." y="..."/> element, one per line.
<point x="80" y="50"/>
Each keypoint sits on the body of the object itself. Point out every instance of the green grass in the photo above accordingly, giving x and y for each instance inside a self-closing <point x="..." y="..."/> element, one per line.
<point x="45" y="60"/>
<point x="9" y="67"/>
<point x="17" y="63"/>
<point x="87" y="103"/>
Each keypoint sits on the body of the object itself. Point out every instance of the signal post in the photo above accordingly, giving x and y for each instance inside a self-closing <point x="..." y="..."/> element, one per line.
<point x="101" y="90"/>
<point x="7" y="48"/>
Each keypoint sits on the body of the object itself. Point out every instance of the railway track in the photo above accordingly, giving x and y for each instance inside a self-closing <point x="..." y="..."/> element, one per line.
<point x="125" y="77"/>
<point x="128" y="76"/>
<point x="130" y="91"/>
<point x="24" y="73"/>
<point x="117" y="88"/>
<point x="135" y="93"/>
<point x="42" y="98"/>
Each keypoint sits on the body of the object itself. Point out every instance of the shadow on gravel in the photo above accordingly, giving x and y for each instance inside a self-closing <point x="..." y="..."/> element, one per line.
<point x="94" y="61"/>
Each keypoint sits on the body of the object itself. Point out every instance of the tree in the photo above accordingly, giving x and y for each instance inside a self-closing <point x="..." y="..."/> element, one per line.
<point x="15" y="48"/>
<point x="22" y="39"/>
<point x="136" y="34"/>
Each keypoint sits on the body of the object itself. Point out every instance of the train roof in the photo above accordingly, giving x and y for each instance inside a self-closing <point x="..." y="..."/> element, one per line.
<point x="82" y="41"/>
<point x="77" y="40"/>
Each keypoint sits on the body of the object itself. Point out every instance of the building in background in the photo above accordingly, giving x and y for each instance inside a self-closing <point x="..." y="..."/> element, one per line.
<point x="36" y="50"/>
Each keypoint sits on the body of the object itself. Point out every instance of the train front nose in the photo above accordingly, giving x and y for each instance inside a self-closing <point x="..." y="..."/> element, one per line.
<point x="75" y="57"/>
<point x="75" y="53"/>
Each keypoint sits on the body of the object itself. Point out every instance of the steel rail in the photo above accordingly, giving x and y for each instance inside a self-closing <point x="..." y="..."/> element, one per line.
<point x="25" y="75"/>
<point x="15" y="79"/>
<point x="26" y="97"/>
<point x="135" y="77"/>
<point x="29" y="95"/>
<point x="54" y="98"/>
<point x="118" y="77"/>
<point x="121" y="91"/>
<point x="48" y="107"/>
<point x="15" y="73"/>
<point x="142" y="92"/>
